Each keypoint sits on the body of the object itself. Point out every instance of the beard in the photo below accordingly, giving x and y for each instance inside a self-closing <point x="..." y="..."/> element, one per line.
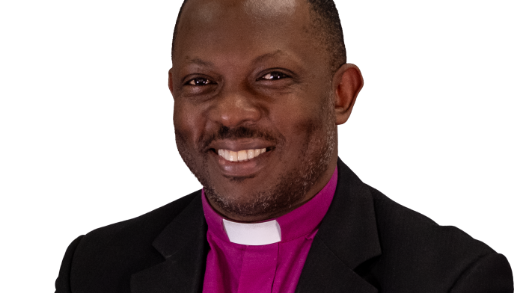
<point x="289" y="189"/>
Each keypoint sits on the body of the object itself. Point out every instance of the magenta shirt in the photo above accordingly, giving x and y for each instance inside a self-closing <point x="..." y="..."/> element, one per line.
<point x="238" y="268"/>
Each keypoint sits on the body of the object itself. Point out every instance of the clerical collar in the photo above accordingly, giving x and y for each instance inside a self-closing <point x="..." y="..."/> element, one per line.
<point x="253" y="233"/>
<point x="297" y="223"/>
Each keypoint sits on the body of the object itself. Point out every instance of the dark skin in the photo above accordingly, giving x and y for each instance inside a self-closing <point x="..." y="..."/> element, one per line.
<point x="258" y="69"/>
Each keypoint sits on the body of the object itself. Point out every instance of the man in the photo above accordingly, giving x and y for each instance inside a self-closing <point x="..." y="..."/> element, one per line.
<point x="259" y="89"/>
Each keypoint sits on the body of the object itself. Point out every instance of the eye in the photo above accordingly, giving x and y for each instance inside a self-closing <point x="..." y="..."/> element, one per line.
<point x="275" y="75"/>
<point x="199" y="81"/>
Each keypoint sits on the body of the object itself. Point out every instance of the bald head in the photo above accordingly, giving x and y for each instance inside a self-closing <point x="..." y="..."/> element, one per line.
<point x="323" y="22"/>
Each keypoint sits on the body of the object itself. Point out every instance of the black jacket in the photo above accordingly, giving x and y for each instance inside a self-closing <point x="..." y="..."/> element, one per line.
<point x="366" y="243"/>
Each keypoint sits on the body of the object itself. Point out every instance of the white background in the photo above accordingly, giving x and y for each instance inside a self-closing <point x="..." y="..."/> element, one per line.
<point x="86" y="119"/>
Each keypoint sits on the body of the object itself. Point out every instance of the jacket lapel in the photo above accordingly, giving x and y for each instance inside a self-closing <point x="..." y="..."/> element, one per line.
<point x="183" y="245"/>
<point x="346" y="240"/>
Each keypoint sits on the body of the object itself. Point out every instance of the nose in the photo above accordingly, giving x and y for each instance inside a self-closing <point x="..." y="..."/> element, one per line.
<point x="235" y="108"/>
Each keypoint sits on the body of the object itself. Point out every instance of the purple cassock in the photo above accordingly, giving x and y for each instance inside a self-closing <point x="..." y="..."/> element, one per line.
<point x="262" y="257"/>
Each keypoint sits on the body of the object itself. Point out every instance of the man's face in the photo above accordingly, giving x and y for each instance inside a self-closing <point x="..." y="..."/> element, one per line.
<point x="254" y="114"/>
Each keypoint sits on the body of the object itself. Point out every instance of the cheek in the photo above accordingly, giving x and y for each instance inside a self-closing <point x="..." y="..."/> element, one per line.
<point x="302" y="127"/>
<point x="188" y="123"/>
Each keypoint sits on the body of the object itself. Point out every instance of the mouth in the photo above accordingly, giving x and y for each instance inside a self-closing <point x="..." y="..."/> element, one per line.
<point x="245" y="163"/>
<point x="241" y="155"/>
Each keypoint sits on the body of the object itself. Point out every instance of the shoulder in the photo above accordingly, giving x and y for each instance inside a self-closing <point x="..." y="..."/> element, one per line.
<point x="428" y="255"/>
<point x="397" y="223"/>
<point x="139" y="229"/>
<point x="115" y="251"/>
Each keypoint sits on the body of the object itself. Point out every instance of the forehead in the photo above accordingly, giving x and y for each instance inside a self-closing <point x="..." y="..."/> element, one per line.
<point x="243" y="28"/>
<point x="205" y="10"/>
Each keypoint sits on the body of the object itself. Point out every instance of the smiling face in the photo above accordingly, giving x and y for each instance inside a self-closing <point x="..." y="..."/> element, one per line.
<point x="254" y="110"/>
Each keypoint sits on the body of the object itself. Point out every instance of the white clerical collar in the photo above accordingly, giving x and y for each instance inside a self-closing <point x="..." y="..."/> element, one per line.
<point x="253" y="233"/>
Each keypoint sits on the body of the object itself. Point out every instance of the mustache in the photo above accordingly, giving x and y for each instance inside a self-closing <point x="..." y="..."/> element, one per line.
<point x="236" y="133"/>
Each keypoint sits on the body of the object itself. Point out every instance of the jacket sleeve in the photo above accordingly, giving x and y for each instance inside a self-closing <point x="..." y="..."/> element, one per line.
<point x="63" y="281"/>
<point x="489" y="274"/>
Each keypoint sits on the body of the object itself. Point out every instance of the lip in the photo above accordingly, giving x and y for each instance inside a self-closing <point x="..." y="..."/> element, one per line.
<point x="242" y="169"/>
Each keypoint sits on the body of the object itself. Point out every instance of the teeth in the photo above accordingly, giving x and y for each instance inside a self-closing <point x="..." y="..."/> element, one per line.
<point x="226" y="155"/>
<point x="242" y="155"/>
<point x="233" y="156"/>
<point x="250" y="154"/>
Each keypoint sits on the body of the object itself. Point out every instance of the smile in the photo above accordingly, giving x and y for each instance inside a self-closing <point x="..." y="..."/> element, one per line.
<point x="240" y="156"/>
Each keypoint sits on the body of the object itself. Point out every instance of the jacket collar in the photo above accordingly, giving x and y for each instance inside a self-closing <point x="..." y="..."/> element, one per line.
<point x="183" y="245"/>
<point x="347" y="239"/>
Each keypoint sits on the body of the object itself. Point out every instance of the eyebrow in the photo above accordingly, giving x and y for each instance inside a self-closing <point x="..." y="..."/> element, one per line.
<point x="258" y="59"/>
<point x="201" y="62"/>
<point x="268" y="56"/>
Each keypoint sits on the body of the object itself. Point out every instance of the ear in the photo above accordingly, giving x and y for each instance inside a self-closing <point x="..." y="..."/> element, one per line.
<point x="347" y="83"/>
<point x="170" y="82"/>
